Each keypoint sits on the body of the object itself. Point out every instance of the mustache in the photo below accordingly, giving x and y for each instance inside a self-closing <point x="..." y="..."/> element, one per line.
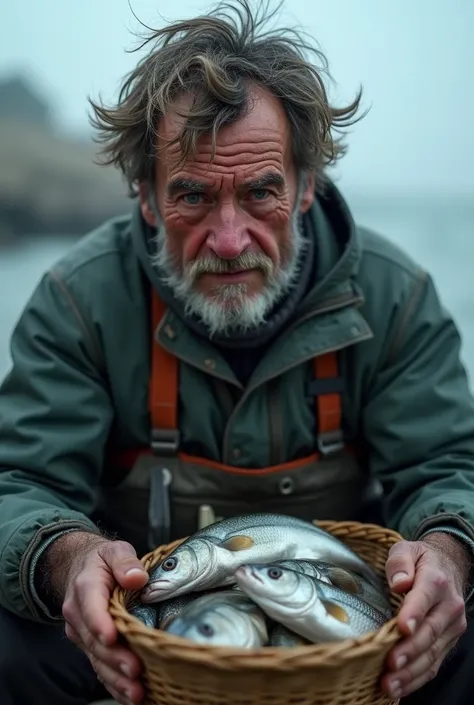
<point x="211" y="264"/>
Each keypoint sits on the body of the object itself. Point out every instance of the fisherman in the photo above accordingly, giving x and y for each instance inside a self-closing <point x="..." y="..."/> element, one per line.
<point x="236" y="344"/>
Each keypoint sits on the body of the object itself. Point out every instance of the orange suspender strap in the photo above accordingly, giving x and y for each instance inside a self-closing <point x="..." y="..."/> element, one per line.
<point x="163" y="390"/>
<point x="164" y="396"/>
<point x="327" y="387"/>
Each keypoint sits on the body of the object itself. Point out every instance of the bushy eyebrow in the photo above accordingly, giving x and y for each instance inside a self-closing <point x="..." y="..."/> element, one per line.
<point x="177" y="185"/>
<point x="270" y="179"/>
<point x="194" y="186"/>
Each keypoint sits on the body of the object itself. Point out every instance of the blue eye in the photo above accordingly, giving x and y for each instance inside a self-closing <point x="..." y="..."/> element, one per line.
<point x="192" y="199"/>
<point x="260" y="194"/>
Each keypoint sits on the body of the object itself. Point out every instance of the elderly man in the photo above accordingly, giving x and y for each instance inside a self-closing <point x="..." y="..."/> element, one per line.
<point x="236" y="345"/>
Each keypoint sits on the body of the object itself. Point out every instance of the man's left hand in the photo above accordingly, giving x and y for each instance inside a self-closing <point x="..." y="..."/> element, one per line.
<point x="433" y="573"/>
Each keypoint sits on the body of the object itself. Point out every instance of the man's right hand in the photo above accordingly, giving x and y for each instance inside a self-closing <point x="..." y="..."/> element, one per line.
<point x="83" y="571"/>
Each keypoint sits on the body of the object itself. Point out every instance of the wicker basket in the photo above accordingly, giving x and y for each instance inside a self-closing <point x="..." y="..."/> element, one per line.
<point x="180" y="672"/>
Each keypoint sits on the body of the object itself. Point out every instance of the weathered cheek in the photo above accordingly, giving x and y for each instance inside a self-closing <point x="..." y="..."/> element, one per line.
<point x="273" y="237"/>
<point x="185" y="236"/>
<point x="280" y="214"/>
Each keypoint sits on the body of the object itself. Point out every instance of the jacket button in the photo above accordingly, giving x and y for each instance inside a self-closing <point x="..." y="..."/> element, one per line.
<point x="286" y="485"/>
<point x="210" y="363"/>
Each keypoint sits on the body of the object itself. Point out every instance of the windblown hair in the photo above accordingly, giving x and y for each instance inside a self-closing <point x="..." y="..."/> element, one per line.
<point x="213" y="58"/>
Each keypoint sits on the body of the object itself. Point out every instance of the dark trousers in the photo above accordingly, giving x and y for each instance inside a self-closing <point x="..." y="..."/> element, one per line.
<point x="40" y="666"/>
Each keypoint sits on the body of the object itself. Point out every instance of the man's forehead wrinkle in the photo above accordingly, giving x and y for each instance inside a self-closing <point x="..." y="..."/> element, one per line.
<point x="205" y="171"/>
<point x="241" y="151"/>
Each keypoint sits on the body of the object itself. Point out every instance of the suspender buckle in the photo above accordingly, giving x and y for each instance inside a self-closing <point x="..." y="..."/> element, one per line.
<point x="164" y="441"/>
<point x="330" y="442"/>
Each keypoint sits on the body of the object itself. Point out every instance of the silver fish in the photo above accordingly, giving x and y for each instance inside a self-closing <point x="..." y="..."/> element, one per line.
<point x="316" y="610"/>
<point x="168" y="610"/>
<point x="283" y="637"/>
<point x="145" y="613"/>
<point x="344" y="579"/>
<point x="209" y="557"/>
<point x="223" y="618"/>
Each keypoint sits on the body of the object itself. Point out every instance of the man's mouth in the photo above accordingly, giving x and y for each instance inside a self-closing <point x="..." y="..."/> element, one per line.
<point x="237" y="275"/>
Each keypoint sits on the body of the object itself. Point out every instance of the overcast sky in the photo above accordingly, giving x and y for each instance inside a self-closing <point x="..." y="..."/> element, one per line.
<point x="414" y="58"/>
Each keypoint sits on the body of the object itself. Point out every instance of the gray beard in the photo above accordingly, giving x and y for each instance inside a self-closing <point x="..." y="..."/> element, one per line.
<point x="230" y="309"/>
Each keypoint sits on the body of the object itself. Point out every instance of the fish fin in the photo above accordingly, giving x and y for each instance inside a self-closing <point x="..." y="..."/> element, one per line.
<point x="237" y="543"/>
<point x="336" y="611"/>
<point x="343" y="580"/>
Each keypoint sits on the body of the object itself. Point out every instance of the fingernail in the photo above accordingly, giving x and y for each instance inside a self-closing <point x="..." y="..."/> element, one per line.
<point x="400" y="662"/>
<point x="395" y="689"/>
<point x="133" y="571"/>
<point x="399" y="577"/>
<point x="102" y="640"/>
<point x="125" y="670"/>
<point x="411" y="624"/>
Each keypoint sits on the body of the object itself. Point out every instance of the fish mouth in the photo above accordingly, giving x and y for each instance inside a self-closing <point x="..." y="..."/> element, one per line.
<point x="247" y="571"/>
<point x="150" y="592"/>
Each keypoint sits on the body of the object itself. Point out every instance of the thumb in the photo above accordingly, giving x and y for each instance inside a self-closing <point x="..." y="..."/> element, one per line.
<point x="122" y="559"/>
<point x="400" y="566"/>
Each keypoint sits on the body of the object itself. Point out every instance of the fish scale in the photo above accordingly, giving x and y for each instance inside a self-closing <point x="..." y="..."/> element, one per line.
<point x="343" y="579"/>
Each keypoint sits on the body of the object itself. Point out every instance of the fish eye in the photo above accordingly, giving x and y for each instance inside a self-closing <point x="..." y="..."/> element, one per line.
<point x="206" y="629"/>
<point x="274" y="573"/>
<point x="169" y="563"/>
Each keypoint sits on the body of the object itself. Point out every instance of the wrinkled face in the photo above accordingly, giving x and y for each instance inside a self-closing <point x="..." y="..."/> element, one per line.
<point x="228" y="229"/>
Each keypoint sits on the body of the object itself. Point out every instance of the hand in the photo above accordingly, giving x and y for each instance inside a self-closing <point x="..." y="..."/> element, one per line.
<point x="92" y="575"/>
<point x="433" y="572"/>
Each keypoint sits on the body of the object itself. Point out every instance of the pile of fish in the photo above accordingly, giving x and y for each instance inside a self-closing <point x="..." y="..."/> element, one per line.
<point x="263" y="580"/>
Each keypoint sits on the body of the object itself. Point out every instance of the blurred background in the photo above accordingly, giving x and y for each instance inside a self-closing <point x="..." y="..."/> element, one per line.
<point x="409" y="171"/>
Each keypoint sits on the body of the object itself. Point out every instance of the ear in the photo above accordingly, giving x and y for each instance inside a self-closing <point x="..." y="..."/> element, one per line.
<point x="308" y="193"/>
<point x="144" y="199"/>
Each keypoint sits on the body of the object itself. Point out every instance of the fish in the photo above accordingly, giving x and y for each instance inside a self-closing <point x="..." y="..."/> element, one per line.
<point x="168" y="610"/>
<point x="145" y="613"/>
<point x="315" y="610"/>
<point x="283" y="637"/>
<point x="344" y="579"/>
<point x="222" y="618"/>
<point x="210" y="556"/>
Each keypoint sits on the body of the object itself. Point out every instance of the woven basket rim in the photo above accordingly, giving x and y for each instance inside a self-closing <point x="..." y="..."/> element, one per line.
<point x="275" y="658"/>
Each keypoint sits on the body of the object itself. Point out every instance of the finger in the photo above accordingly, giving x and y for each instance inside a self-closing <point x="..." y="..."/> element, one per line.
<point x="118" y="697"/>
<point x="426" y="661"/>
<point x="88" y="609"/>
<point x="122" y="559"/>
<point x="119" y="658"/>
<point x="446" y="617"/>
<point x="129" y="688"/>
<point x="400" y="566"/>
<point x="395" y="688"/>
<point x="401" y="687"/>
<point x="72" y="634"/>
<point x="429" y="588"/>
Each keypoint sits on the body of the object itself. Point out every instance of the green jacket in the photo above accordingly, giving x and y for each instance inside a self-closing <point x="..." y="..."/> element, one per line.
<point x="80" y="374"/>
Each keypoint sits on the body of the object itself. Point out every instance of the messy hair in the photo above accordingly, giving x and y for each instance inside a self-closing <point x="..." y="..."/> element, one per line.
<point x="213" y="57"/>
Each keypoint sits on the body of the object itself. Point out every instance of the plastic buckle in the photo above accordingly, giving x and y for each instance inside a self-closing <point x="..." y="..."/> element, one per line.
<point x="330" y="442"/>
<point x="165" y="442"/>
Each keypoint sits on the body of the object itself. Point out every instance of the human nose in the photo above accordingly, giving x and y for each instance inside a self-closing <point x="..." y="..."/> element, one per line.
<point x="228" y="235"/>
